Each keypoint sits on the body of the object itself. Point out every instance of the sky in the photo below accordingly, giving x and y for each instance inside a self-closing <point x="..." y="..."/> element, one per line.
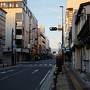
<point x="48" y="13"/>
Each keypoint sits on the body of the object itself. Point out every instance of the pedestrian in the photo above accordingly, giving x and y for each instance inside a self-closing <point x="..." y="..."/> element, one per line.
<point x="59" y="62"/>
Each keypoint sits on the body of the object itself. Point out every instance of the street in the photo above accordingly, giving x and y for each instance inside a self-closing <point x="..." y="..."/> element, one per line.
<point x="25" y="76"/>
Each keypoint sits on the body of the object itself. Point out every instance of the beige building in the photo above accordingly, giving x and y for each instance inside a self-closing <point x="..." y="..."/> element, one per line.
<point x="34" y="37"/>
<point x="41" y="41"/>
<point x="80" y="38"/>
<point x="20" y="19"/>
<point x="68" y="24"/>
<point x="77" y="34"/>
<point x="75" y="3"/>
<point x="72" y="6"/>
<point x="2" y="32"/>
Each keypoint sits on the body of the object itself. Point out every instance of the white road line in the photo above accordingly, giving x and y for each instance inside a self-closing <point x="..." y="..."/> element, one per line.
<point x="35" y="71"/>
<point x="44" y="77"/>
<point x="10" y="70"/>
<point x="35" y="65"/>
<point x="50" y="64"/>
<point x="40" y="64"/>
<point x="3" y="72"/>
<point x="45" y="64"/>
<point x="7" y="71"/>
<point x="13" y="74"/>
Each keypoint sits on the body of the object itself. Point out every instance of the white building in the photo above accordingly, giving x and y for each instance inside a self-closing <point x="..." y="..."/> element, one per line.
<point x="18" y="18"/>
<point x="80" y="38"/>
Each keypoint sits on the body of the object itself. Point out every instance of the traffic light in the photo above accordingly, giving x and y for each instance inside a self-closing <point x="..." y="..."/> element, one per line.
<point x="53" y="28"/>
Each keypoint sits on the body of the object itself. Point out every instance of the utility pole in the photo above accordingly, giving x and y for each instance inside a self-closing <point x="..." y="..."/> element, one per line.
<point x="62" y="27"/>
<point x="12" y="56"/>
<point x="62" y="36"/>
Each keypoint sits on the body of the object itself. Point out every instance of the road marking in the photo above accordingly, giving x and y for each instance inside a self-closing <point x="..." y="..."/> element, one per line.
<point x="50" y="64"/>
<point x="35" y="65"/>
<point x="35" y="71"/>
<point x="3" y="72"/>
<point x="3" y="78"/>
<point x="7" y="71"/>
<point x="44" y="77"/>
<point x="40" y="64"/>
<point x="45" y="64"/>
<point x="10" y="70"/>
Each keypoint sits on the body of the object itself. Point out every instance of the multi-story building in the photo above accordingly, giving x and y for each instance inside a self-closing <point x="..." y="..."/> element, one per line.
<point x="2" y="31"/>
<point x="80" y="38"/>
<point x="41" y="41"/>
<point x="18" y="18"/>
<point x="34" y="37"/>
<point x="48" y="49"/>
<point x="72" y="5"/>
<point x="68" y="24"/>
<point x="82" y="25"/>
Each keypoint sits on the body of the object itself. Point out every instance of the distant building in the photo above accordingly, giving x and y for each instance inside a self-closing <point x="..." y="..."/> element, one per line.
<point x="2" y="31"/>
<point x="68" y="24"/>
<point x="41" y="41"/>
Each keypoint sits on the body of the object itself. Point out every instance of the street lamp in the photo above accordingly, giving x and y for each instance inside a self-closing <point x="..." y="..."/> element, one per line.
<point x="12" y="56"/>
<point x="62" y="27"/>
<point x="62" y="36"/>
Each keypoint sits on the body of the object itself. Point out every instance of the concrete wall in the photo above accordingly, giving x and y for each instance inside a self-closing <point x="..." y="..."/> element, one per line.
<point x="10" y="23"/>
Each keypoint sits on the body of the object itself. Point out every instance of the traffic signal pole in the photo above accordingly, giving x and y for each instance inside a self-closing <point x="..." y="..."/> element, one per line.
<point x="62" y="36"/>
<point x="12" y="56"/>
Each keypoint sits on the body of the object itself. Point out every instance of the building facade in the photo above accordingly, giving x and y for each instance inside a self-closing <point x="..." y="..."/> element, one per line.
<point x="41" y="42"/>
<point x="80" y="44"/>
<point x="2" y="32"/>
<point x="19" y="18"/>
<point x="83" y="35"/>
<point x="68" y="25"/>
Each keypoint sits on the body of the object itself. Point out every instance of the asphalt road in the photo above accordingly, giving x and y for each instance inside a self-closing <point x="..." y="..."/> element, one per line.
<point x="25" y="76"/>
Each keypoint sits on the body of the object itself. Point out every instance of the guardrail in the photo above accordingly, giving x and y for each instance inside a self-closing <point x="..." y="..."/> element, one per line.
<point x="45" y="84"/>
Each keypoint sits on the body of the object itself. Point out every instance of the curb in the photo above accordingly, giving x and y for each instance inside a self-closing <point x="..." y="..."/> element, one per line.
<point x="76" y="81"/>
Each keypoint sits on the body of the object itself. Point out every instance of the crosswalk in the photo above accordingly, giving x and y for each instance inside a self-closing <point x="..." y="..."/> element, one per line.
<point x="38" y="65"/>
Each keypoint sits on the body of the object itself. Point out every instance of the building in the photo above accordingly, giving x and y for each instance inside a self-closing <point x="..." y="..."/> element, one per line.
<point x="82" y="25"/>
<point x="41" y="41"/>
<point x="72" y="6"/>
<point x="20" y="19"/>
<point x="75" y="3"/>
<point x="2" y="32"/>
<point x="34" y="38"/>
<point x="80" y="43"/>
<point x="68" y="25"/>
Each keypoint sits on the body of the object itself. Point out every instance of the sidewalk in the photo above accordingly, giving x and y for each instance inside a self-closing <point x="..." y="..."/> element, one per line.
<point x="63" y="83"/>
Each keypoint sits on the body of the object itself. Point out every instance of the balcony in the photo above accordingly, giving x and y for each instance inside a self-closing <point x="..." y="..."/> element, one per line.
<point x="85" y="30"/>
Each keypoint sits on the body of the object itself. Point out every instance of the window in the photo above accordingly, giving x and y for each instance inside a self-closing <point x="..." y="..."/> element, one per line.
<point x="18" y="32"/>
<point x="19" y="16"/>
<point x="18" y="42"/>
<point x="11" y="4"/>
<point x="19" y="4"/>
